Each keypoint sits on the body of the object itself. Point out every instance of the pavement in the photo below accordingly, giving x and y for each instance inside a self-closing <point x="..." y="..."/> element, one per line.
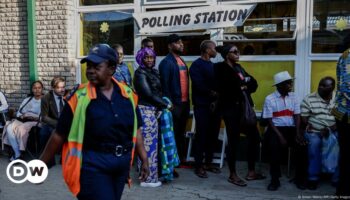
<point x="187" y="186"/>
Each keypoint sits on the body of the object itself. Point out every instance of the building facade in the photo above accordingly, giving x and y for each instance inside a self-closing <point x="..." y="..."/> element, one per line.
<point x="304" y="37"/>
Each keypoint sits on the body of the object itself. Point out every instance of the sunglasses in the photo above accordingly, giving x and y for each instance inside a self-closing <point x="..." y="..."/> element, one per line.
<point x="235" y="52"/>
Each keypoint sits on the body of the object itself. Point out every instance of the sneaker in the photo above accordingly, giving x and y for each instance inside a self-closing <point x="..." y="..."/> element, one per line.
<point x="156" y="184"/>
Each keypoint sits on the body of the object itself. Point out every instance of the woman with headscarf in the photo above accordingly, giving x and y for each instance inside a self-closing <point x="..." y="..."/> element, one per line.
<point x="148" y="87"/>
<point x="232" y="81"/>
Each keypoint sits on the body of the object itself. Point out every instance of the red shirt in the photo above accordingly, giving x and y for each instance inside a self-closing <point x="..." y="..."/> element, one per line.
<point x="183" y="79"/>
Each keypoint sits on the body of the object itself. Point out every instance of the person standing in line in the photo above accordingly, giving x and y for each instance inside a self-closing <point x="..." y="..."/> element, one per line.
<point x="204" y="94"/>
<point x="122" y="73"/>
<point x="148" y="88"/>
<point x="282" y="110"/>
<point x="147" y="42"/>
<point x="98" y="129"/>
<point x="233" y="81"/>
<point x="175" y="86"/>
<point x="341" y="113"/>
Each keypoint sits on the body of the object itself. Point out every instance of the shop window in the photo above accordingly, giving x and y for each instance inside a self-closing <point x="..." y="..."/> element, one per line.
<point x="152" y="2"/>
<point x="330" y="26"/>
<point x="103" y="2"/>
<point x="107" y="27"/>
<point x="269" y="30"/>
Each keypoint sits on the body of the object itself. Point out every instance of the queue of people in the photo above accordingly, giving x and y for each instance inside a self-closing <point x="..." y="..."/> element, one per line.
<point x="99" y="125"/>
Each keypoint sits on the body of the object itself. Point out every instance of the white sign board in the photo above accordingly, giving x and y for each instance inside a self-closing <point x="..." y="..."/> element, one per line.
<point x="205" y="17"/>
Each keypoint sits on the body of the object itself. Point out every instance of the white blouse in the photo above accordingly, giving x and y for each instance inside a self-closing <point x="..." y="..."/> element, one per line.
<point x="31" y="109"/>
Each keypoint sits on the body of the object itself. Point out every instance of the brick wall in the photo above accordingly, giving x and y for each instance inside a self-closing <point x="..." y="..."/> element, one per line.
<point x="55" y="45"/>
<point x="14" y="68"/>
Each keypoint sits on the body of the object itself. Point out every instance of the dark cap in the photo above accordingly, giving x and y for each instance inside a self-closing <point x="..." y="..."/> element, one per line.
<point x="100" y="53"/>
<point x="173" y="38"/>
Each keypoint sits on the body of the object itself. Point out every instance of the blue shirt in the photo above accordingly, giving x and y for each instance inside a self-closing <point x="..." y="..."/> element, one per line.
<point x="107" y="121"/>
<point x="122" y="74"/>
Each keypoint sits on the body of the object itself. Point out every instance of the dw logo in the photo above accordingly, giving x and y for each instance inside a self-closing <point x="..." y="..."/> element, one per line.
<point x="35" y="171"/>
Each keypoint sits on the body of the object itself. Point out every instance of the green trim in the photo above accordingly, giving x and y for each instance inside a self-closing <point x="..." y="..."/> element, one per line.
<point x="33" y="69"/>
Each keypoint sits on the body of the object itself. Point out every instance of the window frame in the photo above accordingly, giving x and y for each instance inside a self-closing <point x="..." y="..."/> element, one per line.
<point x="316" y="56"/>
<point x="95" y="9"/>
<point x="160" y="2"/>
<point x="294" y="35"/>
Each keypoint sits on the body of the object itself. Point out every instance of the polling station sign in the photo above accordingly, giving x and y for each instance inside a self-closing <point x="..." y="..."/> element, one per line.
<point x="205" y="17"/>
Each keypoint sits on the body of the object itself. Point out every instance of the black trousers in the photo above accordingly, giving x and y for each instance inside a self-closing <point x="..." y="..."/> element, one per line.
<point x="275" y="152"/>
<point x="207" y="130"/>
<point x="231" y="117"/>
<point x="180" y="116"/>
<point x="253" y="141"/>
<point x="343" y="127"/>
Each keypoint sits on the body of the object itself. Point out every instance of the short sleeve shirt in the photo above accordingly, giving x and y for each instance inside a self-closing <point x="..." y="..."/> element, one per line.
<point x="281" y="109"/>
<point x="107" y="121"/>
<point x="318" y="111"/>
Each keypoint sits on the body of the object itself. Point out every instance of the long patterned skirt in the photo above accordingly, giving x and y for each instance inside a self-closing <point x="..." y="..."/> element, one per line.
<point x="149" y="132"/>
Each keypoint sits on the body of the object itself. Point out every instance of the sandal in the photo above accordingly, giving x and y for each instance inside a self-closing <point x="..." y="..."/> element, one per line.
<point x="201" y="173"/>
<point x="238" y="182"/>
<point x="212" y="169"/>
<point x="257" y="176"/>
<point x="176" y="174"/>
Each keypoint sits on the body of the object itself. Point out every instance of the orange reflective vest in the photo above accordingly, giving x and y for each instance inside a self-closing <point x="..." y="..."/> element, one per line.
<point x="72" y="149"/>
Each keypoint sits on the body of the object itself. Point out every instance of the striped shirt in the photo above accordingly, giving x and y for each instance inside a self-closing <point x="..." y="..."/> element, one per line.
<point x="342" y="102"/>
<point x="183" y="79"/>
<point x="281" y="109"/>
<point x="318" y="111"/>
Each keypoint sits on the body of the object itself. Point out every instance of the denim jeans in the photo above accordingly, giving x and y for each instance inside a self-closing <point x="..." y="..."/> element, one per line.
<point x="315" y="157"/>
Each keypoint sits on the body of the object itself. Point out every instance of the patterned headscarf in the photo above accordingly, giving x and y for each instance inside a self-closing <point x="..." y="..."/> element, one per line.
<point x="142" y="53"/>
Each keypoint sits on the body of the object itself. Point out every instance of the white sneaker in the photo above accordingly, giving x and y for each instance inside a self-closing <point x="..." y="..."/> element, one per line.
<point x="156" y="184"/>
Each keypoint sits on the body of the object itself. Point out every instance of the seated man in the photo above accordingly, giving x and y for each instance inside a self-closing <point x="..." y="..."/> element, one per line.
<point x="282" y="110"/>
<point x="51" y="107"/>
<point x="3" y="109"/>
<point x="319" y="123"/>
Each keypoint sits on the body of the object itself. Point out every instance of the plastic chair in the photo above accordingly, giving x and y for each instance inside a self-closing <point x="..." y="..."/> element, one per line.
<point x="222" y="136"/>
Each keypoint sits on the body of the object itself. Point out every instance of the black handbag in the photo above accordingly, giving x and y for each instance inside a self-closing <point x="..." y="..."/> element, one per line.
<point x="248" y="116"/>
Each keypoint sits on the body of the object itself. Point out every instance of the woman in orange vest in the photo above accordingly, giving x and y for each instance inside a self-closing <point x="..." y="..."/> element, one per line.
<point x="98" y="129"/>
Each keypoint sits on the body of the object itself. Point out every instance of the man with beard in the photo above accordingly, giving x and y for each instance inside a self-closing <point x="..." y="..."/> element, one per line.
<point x="174" y="79"/>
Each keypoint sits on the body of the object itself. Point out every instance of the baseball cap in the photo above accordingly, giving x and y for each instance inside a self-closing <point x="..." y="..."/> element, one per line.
<point x="100" y="53"/>
<point x="173" y="38"/>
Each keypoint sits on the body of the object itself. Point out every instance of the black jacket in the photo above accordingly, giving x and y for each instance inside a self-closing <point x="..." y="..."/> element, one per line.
<point x="148" y="87"/>
<point x="49" y="111"/>
<point x="229" y="84"/>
